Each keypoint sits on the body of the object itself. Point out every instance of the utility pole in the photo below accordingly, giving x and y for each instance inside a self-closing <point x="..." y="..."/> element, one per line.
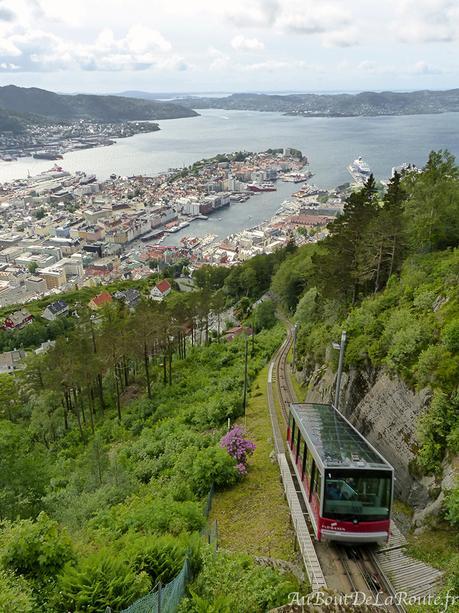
<point x="244" y="401"/>
<point x="340" y="347"/>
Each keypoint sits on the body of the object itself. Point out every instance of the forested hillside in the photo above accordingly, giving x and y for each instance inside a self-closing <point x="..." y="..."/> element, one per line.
<point x="388" y="274"/>
<point x="59" y="107"/>
<point x="110" y="441"/>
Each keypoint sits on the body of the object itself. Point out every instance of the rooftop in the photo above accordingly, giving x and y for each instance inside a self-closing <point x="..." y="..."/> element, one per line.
<point x="336" y="441"/>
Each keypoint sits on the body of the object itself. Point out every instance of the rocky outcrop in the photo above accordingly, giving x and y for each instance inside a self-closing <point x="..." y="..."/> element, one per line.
<point x="386" y="411"/>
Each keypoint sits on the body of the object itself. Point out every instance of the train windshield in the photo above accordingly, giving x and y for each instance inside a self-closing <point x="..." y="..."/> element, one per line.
<point x="357" y="495"/>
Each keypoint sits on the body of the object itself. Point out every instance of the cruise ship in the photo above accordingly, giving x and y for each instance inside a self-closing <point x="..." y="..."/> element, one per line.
<point x="359" y="170"/>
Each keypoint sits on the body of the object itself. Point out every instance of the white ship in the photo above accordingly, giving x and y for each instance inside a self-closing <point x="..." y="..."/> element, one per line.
<point x="359" y="170"/>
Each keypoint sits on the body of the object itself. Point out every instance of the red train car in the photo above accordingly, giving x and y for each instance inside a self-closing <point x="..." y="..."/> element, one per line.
<point x="347" y="485"/>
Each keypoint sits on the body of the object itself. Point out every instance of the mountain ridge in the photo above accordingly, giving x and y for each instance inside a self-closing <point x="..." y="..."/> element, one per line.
<point x="366" y="103"/>
<point x="92" y="107"/>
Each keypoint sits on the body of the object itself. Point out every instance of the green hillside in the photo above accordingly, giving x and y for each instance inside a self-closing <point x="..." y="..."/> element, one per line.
<point x="83" y="106"/>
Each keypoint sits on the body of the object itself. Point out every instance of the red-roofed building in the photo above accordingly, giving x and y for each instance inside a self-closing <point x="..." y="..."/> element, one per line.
<point x="99" y="301"/>
<point x="161" y="290"/>
<point x="17" y="320"/>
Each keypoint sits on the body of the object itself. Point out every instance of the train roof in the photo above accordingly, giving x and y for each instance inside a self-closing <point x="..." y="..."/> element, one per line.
<point x="336" y="442"/>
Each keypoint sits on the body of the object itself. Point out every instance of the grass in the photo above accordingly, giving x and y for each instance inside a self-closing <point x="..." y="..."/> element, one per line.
<point x="438" y="547"/>
<point x="253" y="517"/>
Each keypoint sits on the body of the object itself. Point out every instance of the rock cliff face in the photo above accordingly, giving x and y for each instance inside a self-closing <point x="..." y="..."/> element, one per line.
<point x="386" y="412"/>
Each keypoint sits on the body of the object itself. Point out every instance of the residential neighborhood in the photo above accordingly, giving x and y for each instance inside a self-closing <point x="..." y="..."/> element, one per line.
<point x="63" y="231"/>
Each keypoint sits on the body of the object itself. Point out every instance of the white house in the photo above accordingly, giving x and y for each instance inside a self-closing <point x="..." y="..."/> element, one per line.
<point x="160" y="290"/>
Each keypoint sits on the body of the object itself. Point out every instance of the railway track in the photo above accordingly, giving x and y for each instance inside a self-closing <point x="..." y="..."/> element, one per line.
<point x="357" y="566"/>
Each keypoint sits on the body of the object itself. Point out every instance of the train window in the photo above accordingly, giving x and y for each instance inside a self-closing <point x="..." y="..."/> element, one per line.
<point x="317" y="482"/>
<point x="298" y="442"/>
<point x="309" y="466"/>
<point x="305" y="455"/>
<point x="292" y="434"/>
<point x="361" y="495"/>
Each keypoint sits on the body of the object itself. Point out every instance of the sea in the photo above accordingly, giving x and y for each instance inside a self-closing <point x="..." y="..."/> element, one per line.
<point x="329" y="143"/>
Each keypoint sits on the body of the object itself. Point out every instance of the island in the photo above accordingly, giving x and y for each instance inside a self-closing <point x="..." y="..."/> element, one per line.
<point x="335" y="105"/>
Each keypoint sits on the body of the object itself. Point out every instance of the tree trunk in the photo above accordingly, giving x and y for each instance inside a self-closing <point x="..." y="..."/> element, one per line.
<point x="117" y="390"/>
<point x="91" y="408"/>
<point x="378" y="268"/>
<point x="65" y="407"/>
<point x="392" y="258"/>
<point x="147" y="370"/>
<point x="170" y="366"/>
<point x="126" y="371"/>
<point x="100" y="390"/>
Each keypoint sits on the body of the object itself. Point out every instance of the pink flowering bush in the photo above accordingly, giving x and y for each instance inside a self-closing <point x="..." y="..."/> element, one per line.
<point x="239" y="447"/>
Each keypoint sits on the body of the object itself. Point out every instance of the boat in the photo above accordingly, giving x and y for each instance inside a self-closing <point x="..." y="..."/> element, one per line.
<point x="261" y="187"/>
<point x="47" y="155"/>
<point x="359" y="170"/>
<point x="297" y="177"/>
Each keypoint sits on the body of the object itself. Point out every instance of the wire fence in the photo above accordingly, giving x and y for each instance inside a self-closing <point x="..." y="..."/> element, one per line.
<point x="166" y="598"/>
<point x="163" y="599"/>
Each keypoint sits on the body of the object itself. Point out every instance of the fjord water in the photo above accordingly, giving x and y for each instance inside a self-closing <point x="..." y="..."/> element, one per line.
<point x="330" y="143"/>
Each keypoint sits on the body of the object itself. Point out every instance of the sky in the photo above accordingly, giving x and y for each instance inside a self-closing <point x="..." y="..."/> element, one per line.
<point x="105" y="46"/>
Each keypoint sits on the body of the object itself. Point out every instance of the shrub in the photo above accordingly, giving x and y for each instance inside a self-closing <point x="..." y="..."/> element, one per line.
<point x="35" y="549"/>
<point x="452" y="506"/>
<point x="450" y="335"/>
<point x="435" y="427"/>
<point x="15" y="594"/>
<point x="162" y="557"/>
<point x="98" y="581"/>
<point x="212" y="465"/>
<point x="151" y="515"/>
<point x="241" y="585"/>
<point x="238" y="447"/>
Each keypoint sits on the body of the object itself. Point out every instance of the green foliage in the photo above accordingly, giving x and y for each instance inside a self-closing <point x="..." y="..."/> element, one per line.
<point x="435" y="427"/>
<point x="238" y="583"/>
<point x="160" y="557"/>
<point x="452" y="506"/>
<point x="293" y="276"/>
<point x="149" y="514"/>
<point x="100" y="580"/>
<point x="212" y="465"/>
<point x="450" y="335"/>
<point x="264" y="316"/>
<point x="431" y="210"/>
<point x="23" y="472"/>
<point x="15" y="594"/>
<point x="36" y="549"/>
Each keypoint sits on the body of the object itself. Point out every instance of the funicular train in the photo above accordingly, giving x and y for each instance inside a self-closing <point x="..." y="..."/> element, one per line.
<point x="346" y="484"/>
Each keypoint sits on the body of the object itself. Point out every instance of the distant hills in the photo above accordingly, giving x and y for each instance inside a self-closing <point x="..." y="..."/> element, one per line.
<point x="335" y="105"/>
<point x="20" y="106"/>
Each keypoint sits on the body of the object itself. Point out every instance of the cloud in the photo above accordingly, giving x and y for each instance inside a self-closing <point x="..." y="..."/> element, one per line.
<point x="277" y="65"/>
<point x="305" y="18"/>
<point x="423" y="68"/>
<point x="258" y="13"/>
<point x="314" y="19"/>
<point x="240" y="43"/>
<point x="219" y="60"/>
<point x="427" y="21"/>
<point x="39" y="51"/>
<point x="347" y="37"/>
<point x="6" y="14"/>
